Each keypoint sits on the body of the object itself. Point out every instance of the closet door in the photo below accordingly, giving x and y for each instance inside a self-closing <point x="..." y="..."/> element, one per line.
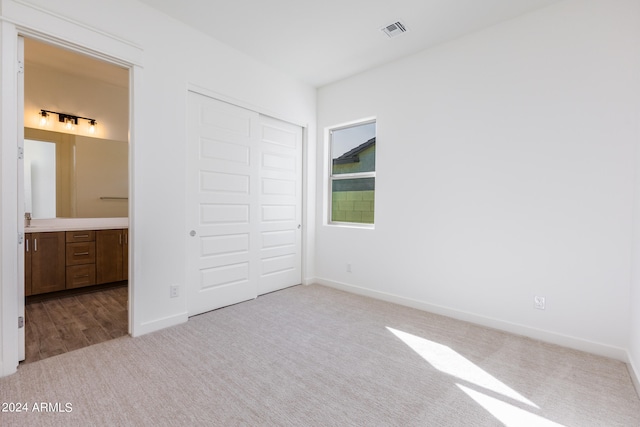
<point x="280" y="205"/>
<point x="222" y="197"/>
<point x="243" y="204"/>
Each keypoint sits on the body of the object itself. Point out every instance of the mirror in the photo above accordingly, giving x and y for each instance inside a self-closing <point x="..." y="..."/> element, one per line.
<point x="91" y="176"/>
<point x="40" y="178"/>
<point x="91" y="165"/>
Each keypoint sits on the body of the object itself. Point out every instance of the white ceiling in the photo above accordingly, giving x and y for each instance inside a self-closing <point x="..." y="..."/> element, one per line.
<point x="323" y="41"/>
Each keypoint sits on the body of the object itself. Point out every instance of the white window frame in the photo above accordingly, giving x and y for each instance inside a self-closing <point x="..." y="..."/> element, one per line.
<point x="345" y="176"/>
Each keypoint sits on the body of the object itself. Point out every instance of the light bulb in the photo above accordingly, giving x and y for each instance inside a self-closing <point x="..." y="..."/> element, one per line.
<point x="68" y="123"/>
<point x="43" y="118"/>
<point x="92" y="126"/>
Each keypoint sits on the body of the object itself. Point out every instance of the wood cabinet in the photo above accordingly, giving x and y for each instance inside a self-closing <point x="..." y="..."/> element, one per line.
<point x="112" y="253"/>
<point x="54" y="261"/>
<point x="80" y="259"/>
<point x="44" y="262"/>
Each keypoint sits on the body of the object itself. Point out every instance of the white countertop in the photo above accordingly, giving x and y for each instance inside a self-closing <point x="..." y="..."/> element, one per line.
<point x="75" y="224"/>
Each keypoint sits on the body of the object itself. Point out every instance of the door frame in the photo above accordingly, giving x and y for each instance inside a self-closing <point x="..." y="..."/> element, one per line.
<point x="20" y="200"/>
<point x="78" y="37"/>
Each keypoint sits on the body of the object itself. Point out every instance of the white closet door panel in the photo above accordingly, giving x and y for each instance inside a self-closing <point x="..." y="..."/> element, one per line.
<point x="280" y="205"/>
<point x="222" y="197"/>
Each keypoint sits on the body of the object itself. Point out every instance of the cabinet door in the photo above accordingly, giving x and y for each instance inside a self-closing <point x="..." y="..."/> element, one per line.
<point x="28" y="247"/>
<point x="48" y="269"/>
<point x="109" y="245"/>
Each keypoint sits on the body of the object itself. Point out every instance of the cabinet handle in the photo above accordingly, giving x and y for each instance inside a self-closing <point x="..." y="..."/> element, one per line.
<point x="27" y="245"/>
<point x="126" y="239"/>
<point x="35" y="244"/>
<point x="80" y="253"/>
<point x="80" y="276"/>
<point x="120" y="236"/>
<point x="78" y="236"/>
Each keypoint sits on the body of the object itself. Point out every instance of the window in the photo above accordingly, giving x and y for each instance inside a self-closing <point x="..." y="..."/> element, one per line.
<point x="353" y="173"/>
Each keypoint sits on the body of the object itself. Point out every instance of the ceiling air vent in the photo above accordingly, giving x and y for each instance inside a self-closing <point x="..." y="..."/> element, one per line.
<point x="395" y="29"/>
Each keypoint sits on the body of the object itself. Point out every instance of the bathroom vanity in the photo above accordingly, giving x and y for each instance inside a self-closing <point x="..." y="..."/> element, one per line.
<point x="70" y="253"/>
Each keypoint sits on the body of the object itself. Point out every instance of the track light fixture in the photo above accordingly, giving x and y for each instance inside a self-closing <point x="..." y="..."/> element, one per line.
<point x="69" y="120"/>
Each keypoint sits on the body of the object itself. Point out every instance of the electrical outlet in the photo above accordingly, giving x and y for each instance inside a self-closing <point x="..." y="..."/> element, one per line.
<point x="174" y="291"/>
<point x="349" y="268"/>
<point x="538" y="302"/>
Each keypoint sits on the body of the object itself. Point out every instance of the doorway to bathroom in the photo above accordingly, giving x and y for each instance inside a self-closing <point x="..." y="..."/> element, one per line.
<point x="76" y="280"/>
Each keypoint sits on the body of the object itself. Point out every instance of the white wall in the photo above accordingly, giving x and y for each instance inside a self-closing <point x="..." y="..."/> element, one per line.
<point x="54" y="90"/>
<point x="173" y="57"/>
<point x="505" y="169"/>
<point x="634" y="299"/>
<point x="101" y="170"/>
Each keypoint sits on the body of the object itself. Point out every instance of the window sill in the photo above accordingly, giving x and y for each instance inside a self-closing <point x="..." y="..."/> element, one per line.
<point x="351" y="225"/>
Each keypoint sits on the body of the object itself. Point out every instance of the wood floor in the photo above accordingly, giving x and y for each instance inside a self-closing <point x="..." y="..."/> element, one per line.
<point x="58" y="325"/>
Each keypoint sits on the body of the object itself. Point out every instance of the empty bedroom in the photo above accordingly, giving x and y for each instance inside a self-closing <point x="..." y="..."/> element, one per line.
<point x="420" y="212"/>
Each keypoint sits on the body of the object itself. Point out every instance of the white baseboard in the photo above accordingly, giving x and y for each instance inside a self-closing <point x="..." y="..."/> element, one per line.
<point x="633" y="373"/>
<point x="156" y="325"/>
<point x="514" y="328"/>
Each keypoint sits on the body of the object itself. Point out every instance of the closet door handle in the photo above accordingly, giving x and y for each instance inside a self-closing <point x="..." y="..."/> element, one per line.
<point x="27" y="245"/>
<point x="35" y="245"/>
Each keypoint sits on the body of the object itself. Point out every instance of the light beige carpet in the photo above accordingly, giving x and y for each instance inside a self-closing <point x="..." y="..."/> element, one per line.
<point x="315" y="356"/>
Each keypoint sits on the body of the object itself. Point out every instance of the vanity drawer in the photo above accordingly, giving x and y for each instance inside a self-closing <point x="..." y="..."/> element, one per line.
<point x="81" y="253"/>
<point x="81" y="236"/>
<point x="81" y="275"/>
